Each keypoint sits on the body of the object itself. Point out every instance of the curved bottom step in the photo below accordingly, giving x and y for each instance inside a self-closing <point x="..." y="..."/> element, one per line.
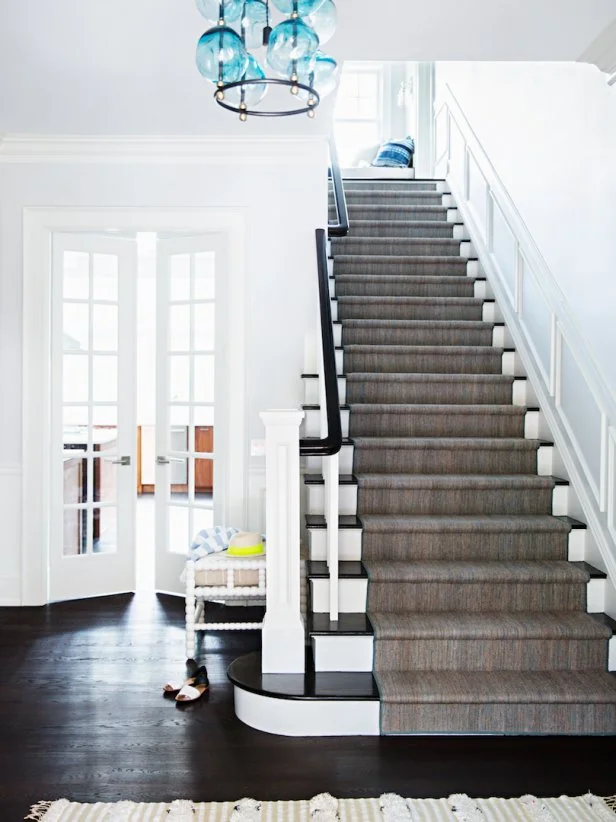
<point x="310" y="704"/>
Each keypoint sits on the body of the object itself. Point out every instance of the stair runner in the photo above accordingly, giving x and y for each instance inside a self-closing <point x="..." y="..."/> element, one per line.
<point x="480" y="622"/>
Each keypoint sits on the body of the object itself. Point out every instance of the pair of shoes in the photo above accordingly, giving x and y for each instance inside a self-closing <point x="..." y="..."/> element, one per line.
<point x="172" y="687"/>
<point x="194" y="690"/>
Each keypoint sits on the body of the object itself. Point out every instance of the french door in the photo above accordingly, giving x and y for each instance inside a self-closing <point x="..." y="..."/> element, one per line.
<point x="190" y="373"/>
<point x="93" y="425"/>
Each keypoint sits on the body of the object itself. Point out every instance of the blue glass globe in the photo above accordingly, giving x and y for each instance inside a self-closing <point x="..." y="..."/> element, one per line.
<point x="253" y="21"/>
<point x="323" y="20"/>
<point x="304" y="7"/>
<point x="320" y="72"/>
<point x="210" y="9"/>
<point x="290" y="42"/>
<point x="221" y="55"/>
<point x="254" y="93"/>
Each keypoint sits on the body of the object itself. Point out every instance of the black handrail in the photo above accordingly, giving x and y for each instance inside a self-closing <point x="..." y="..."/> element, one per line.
<point x="332" y="443"/>
<point x="341" y="227"/>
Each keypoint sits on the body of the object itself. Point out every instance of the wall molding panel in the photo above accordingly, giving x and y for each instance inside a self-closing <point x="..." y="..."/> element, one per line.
<point x="578" y="406"/>
<point x="234" y="150"/>
<point x="10" y="490"/>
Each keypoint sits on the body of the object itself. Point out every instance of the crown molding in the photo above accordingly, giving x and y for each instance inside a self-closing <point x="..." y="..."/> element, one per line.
<point x="228" y="150"/>
<point x="602" y="52"/>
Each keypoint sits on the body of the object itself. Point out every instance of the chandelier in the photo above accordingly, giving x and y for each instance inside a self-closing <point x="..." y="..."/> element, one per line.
<point x="245" y="53"/>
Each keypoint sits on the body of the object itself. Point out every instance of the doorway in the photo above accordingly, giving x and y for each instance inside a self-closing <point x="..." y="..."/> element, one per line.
<point x="138" y="401"/>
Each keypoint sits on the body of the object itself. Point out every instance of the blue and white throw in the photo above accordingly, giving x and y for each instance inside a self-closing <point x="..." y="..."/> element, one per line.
<point x="211" y="541"/>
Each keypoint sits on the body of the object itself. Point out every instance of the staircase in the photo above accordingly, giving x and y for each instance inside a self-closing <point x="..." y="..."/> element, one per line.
<point x="456" y="588"/>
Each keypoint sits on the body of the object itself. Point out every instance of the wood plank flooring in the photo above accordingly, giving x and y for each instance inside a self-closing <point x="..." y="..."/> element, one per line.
<point x="82" y="716"/>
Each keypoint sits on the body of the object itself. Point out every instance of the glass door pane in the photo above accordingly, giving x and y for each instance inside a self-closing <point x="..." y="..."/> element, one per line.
<point x="93" y="416"/>
<point x="186" y="496"/>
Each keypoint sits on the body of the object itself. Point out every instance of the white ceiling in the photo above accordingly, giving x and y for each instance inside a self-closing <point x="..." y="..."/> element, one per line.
<point x="127" y="66"/>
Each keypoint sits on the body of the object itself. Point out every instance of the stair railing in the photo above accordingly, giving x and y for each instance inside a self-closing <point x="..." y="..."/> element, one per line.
<point x="283" y="633"/>
<point x="329" y="445"/>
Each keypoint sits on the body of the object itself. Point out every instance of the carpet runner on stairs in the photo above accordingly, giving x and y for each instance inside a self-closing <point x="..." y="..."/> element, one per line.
<point x="480" y="621"/>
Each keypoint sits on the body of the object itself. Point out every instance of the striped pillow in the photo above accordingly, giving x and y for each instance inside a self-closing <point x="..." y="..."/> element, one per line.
<point x="395" y="154"/>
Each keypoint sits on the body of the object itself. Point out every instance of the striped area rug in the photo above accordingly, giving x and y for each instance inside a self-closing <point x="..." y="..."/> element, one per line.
<point x="326" y="808"/>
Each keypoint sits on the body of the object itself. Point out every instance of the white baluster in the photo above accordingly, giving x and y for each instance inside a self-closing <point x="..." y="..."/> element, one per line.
<point x="190" y="609"/>
<point x="331" y="466"/>
<point x="283" y="628"/>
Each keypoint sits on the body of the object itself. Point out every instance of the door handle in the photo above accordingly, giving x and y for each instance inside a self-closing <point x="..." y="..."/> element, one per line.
<point x="167" y="460"/>
<point x="121" y="461"/>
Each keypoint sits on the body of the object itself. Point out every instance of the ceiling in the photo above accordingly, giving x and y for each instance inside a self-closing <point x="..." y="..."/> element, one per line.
<point x="127" y="67"/>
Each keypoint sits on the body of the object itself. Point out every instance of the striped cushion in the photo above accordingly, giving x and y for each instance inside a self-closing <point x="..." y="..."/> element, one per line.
<point x="395" y="153"/>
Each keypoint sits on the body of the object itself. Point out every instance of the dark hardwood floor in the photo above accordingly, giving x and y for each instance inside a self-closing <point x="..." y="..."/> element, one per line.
<point x="82" y="716"/>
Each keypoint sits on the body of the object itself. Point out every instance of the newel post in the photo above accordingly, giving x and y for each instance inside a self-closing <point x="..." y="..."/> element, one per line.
<point x="283" y="628"/>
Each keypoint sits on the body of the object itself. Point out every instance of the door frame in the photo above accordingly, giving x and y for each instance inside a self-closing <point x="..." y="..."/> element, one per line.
<point x="39" y="226"/>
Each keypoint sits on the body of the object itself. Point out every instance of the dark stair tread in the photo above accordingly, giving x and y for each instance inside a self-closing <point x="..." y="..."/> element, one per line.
<point x="594" y="573"/>
<point x="345" y="521"/>
<point x="317" y="479"/>
<point x="245" y="672"/>
<point x="316" y="407"/>
<point x="491" y="523"/>
<point x="517" y="625"/>
<point x="461" y="572"/>
<point x="351" y="624"/>
<point x="489" y="687"/>
<point x="443" y="481"/>
<point x="347" y="569"/>
<point x="488" y="443"/>
<point x="605" y="619"/>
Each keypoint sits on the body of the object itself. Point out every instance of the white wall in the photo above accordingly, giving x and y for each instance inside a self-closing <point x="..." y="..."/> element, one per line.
<point x="550" y="131"/>
<point x="282" y="194"/>
<point x="527" y="149"/>
<point x="117" y="67"/>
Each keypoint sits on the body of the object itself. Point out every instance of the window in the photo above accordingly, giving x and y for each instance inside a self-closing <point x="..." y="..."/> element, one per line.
<point x="358" y="114"/>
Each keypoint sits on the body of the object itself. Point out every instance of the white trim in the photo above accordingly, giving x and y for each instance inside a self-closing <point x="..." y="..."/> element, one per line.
<point x="307" y="717"/>
<point x="39" y="224"/>
<point x="9" y="592"/>
<point x="563" y="329"/>
<point x="231" y="149"/>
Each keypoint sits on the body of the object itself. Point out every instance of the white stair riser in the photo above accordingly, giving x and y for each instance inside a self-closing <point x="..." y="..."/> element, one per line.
<point x="307" y="717"/>
<point x="343" y="653"/>
<point x="311" y="390"/>
<point x="312" y="422"/>
<point x="460" y="232"/>
<point x="314" y="465"/>
<point x="453" y="215"/>
<point x="347" y="499"/>
<point x="353" y="595"/>
<point x="611" y="663"/>
<point x="491" y="313"/>
<point x="350" y="543"/>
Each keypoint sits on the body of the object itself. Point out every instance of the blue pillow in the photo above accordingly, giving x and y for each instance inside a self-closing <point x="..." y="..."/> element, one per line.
<point x="395" y="154"/>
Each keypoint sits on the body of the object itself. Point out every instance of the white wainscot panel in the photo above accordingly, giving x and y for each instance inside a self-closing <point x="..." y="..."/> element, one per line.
<point x="611" y="481"/>
<point x="477" y="193"/>
<point x="536" y="319"/>
<point x="10" y="516"/>
<point x="457" y="154"/>
<point x="440" y="124"/>
<point x="504" y="250"/>
<point x="581" y="415"/>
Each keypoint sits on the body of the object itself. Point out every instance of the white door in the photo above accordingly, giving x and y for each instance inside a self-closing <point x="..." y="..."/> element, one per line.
<point x="190" y="367"/>
<point x="93" y="485"/>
